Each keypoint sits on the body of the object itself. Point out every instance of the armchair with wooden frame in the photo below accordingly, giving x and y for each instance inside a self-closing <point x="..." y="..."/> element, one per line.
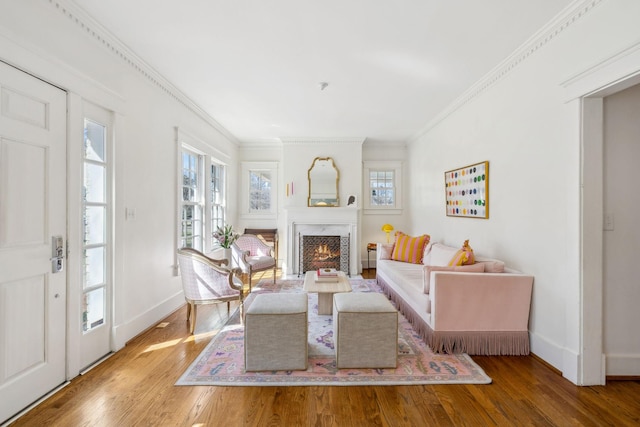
<point x="207" y="281"/>
<point x="267" y="235"/>
<point x="251" y="255"/>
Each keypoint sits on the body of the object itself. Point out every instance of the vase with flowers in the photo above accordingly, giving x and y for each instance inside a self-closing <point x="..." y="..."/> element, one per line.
<point x="225" y="237"/>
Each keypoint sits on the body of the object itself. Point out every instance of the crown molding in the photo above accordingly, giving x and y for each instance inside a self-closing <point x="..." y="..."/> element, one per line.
<point x="280" y="142"/>
<point x="565" y="19"/>
<point x="250" y="147"/>
<point x="371" y="143"/>
<point x="260" y="143"/>
<point x="322" y="140"/>
<point x="92" y="28"/>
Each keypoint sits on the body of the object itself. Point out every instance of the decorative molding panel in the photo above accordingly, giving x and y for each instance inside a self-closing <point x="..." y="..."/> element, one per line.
<point x="565" y="19"/>
<point x="96" y="31"/>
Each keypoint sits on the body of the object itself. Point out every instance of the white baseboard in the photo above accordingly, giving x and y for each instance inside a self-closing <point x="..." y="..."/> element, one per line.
<point x="568" y="362"/>
<point x="623" y="364"/>
<point x="571" y="366"/>
<point x="546" y="350"/>
<point x="123" y="333"/>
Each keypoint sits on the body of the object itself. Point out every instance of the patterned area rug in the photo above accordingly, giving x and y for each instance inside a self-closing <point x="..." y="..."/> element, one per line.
<point x="221" y="363"/>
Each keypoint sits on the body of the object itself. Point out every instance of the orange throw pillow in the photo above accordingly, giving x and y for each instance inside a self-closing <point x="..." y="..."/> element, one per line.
<point x="464" y="256"/>
<point x="408" y="248"/>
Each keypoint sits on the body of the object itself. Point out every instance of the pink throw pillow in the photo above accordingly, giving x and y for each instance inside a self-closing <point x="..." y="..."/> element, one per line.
<point x="385" y="250"/>
<point x="492" y="266"/>
<point x="426" y="282"/>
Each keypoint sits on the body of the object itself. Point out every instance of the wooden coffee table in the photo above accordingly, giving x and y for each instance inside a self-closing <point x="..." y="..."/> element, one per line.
<point x="326" y="290"/>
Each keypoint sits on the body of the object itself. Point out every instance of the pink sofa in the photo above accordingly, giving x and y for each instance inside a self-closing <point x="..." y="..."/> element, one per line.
<point x="479" y="313"/>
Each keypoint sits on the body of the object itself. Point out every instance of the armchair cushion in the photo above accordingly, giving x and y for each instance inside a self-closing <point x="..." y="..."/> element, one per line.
<point x="261" y="262"/>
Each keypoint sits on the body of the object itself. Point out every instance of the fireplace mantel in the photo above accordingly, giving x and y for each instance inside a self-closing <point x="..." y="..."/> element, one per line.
<point x="322" y="221"/>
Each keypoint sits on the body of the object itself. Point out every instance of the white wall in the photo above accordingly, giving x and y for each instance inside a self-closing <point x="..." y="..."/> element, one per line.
<point x="297" y="157"/>
<point x="260" y="154"/>
<point x="518" y="120"/>
<point x="44" y="40"/>
<point x="622" y="237"/>
<point x="372" y="220"/>
<point x="294" y="157"/>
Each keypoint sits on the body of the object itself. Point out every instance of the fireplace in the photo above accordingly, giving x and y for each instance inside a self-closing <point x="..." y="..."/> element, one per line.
<point x="341" y="223"/>
<point x="323" y="252"/>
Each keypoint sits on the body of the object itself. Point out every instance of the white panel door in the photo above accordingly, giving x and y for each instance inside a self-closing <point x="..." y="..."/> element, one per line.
<point x="32" y="210"/>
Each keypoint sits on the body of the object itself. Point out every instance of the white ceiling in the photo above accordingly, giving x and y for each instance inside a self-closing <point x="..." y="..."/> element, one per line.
<point x="255" y="65"/>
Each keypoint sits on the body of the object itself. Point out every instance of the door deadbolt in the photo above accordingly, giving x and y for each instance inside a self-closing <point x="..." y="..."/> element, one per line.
<point x="57" y="254"/>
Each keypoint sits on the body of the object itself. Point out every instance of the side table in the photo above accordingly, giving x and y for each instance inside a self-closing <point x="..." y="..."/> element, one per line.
<point x="370" y="247"/>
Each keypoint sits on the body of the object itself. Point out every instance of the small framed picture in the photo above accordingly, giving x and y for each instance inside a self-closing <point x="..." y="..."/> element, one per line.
<point x="467" y="191"/>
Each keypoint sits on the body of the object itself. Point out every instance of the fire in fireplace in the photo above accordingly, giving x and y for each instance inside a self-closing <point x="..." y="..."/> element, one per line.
<point x="324" y="252"/>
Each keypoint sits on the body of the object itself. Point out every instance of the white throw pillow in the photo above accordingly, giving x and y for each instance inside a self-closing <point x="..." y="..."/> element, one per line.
<point x="441" y="254"/>
<point x="426" y="257"/>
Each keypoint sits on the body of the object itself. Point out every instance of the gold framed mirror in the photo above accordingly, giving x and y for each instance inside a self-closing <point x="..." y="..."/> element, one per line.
<point x="323" y="183"/>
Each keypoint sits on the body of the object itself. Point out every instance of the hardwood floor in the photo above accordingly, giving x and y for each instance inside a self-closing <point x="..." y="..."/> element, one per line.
<point x="136" y="387"/>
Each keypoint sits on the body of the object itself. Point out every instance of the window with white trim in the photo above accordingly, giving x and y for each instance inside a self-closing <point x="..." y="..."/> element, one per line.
<point x="201" y="205"/>
<point x="259" y="179"/>
<point x="259" y="191"/>
<point x="192" y="201"/>
<point x="383" y="186"/>
<point x="217" y="199"/>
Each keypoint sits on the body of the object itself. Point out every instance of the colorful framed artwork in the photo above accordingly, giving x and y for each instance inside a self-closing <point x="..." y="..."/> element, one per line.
<point x="467" y="191"/>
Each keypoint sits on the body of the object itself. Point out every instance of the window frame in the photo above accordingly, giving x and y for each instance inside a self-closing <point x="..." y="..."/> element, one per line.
<point x="101" y="118"/>
<point x="209" y="156"/>
<point x="394" y="166"/>
<point x="214" y="220"/>
<point x="259" y="167"/>
<point x="198" y="204"/>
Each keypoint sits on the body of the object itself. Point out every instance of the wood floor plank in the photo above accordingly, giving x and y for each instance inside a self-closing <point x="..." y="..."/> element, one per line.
<point x="395" y="405"/>
<point x="135" y="387"/>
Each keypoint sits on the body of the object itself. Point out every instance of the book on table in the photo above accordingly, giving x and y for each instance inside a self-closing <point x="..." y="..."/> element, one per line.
<point x="326" y="275"/>
<point x="327" y="272"/>
<point x="327" y="279"/>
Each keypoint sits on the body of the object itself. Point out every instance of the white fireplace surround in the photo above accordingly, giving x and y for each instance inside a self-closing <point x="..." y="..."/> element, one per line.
<point x="326" y="221"/>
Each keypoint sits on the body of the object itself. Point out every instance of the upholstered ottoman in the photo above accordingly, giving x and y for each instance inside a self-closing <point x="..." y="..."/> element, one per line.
<point x="275" y="333"/>
<point x="365" y="331"/>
